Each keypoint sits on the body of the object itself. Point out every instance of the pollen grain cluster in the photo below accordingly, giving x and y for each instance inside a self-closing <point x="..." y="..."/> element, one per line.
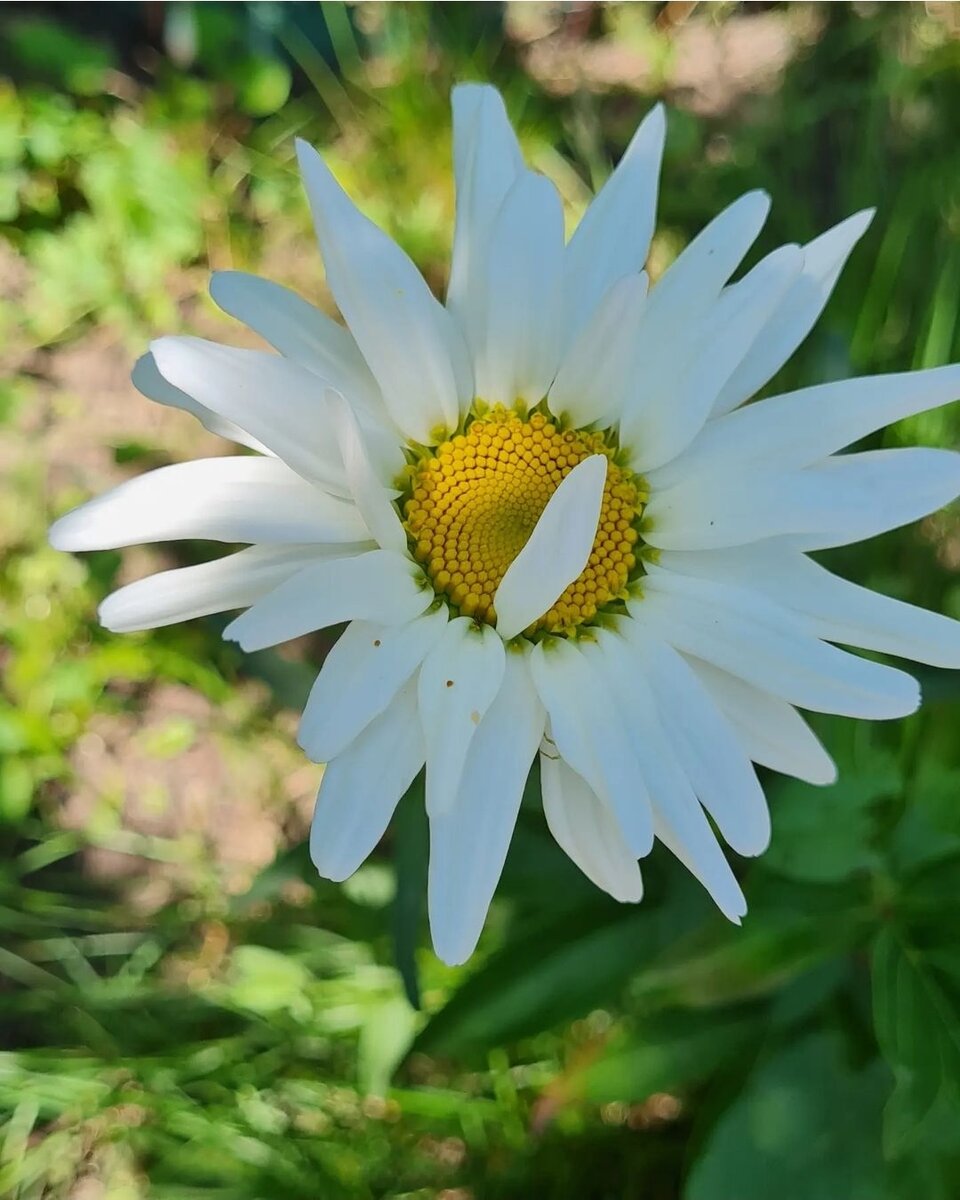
<point x="472" y="506"/>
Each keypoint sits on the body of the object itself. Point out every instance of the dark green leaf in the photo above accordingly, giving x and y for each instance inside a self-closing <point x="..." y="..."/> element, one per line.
<point x="917" y="1018"/>
<point x="410" y="861"/>
<point x="805" y="1127"/>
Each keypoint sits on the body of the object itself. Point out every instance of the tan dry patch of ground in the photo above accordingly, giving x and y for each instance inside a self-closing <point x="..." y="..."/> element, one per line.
<point x="212" y="804"/>
<point x="696" y="62"/>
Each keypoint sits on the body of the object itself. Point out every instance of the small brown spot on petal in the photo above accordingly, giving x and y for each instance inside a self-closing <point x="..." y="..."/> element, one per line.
<point x="376" y="641"/>
<point x="449" y="683"/>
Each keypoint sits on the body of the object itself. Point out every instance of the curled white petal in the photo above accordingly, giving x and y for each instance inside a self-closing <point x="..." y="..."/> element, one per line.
<point x="557" y="550"/>
<point x="705" y="743"/>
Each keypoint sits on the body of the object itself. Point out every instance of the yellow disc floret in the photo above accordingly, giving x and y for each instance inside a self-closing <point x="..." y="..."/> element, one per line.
<point x="472" y="505"/>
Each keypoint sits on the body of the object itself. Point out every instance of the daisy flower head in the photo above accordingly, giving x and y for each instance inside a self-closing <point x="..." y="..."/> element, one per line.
<point x="549" y="520"/>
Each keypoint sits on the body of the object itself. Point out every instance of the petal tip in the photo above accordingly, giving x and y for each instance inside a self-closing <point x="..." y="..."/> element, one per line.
<point x="59" y="534"/>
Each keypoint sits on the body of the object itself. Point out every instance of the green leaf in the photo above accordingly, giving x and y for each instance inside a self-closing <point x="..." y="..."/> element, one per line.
<point x="805" y="1127"/>
<point x="266" y="981"/>
<point x="385" y="1038"/>
<point x="410" y="860"/>
<point x="916" y="1010"/>
<point x="824" y="835"/>
<point x="551" y="975"/>
<point x="666" y="1052"/>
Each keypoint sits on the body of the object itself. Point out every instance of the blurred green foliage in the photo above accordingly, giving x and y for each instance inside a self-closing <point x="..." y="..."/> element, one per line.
<point x="251" y="1036"/>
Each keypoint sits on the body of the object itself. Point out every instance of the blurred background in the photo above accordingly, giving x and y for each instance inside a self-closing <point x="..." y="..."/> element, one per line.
<point x="186" y="1012"/>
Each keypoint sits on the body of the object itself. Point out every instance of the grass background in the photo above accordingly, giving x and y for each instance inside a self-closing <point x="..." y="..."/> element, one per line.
<point x="185" y="1011"/>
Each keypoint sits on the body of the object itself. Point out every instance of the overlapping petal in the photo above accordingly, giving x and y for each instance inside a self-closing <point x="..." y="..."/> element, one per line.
<point x="748" y="635"/>
<point x="487" y="162"/>
<point x="377" y="586"/>
<point x="785" y="433"/>
<point x="408" y="339"/>
<point x="458" y="682"/>
<point x="146" y="378"/>
<point x="613" y="236"/>
<point x="469" y="841"/>
<point x="589" y="732"/>
<point x="299" y="331"/>
<point x="587" y="831"/>
<point x="793" y="318"/>
<point x="771" y="731"/>
<point x="362" y="787"/>
<point x="360" y="677"/>
<point x="517" y="346"/>
<point x="233" y="581"/>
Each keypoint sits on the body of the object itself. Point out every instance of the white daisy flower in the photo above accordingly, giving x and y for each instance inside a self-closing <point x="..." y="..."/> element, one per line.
<point x="549" y="519"/>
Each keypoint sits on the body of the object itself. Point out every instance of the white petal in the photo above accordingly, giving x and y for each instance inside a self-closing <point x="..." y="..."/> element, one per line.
<point x="801" y="428"/>
<point x="370" y="496"/>
<point x="518" y="352"/>
<point x="468" y="843"/>
<point x="844" y="499"/>
<point x="587" y="831"/>
<point x="771" y="731"/>
<point x="689" y="288"/>
<point x="705" y="743"/>
<point x="361" y="788"/>
<point x="360" y="676"/>
<point x="587" y="728"/>
<point x="378" y="586"/>
<point x="797" y="312"/>
<point x="671" y="404"/>
<point x="748" y="635"/>
<point x="409" y="340"/>
<point x="837" y="611"/>
<point x="678" y="820"/>
<point x="487" y="161"/>
<point x="597" y="371"/>
<point x="614" y="234"/>
<point x="300" y="331"/>
<point x="211" y="587"/>
<point x="557" y="550"/>
<point x="281" y="403"/>
<point x="146" y="378"/>
<point x="458" y="682"/>
<point x="242" y="499"/>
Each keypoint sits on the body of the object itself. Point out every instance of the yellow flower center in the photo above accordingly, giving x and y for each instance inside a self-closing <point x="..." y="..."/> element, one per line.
<point x="473" y="504"/>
